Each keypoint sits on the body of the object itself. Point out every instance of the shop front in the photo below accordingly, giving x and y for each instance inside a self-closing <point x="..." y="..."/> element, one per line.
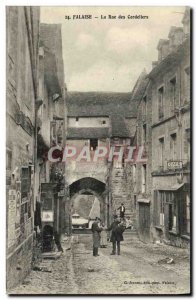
<point x="172" y="214"/>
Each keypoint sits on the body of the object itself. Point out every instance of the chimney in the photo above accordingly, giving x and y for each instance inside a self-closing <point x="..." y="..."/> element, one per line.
<point x="163" y="49"/>
<point x="186" y="22"/>
<point x="175" y="36"/>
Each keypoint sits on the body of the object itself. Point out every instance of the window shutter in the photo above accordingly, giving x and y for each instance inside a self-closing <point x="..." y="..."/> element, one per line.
<point x="155" y="208"/>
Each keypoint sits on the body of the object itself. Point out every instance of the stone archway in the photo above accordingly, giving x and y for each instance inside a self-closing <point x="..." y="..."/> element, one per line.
<point x="92" y="186"/>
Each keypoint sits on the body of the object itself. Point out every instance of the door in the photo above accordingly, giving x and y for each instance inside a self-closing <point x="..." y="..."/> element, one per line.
<point x="144" y="221"/>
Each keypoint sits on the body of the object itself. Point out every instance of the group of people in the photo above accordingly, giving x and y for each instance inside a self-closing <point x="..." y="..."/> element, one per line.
<point x="117" y="228"/>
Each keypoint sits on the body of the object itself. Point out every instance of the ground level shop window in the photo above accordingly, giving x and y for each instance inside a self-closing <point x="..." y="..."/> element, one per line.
<point x="172" y="211"/>
<point x="158" y="209"/>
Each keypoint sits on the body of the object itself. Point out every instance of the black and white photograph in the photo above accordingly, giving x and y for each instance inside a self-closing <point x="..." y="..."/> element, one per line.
<point x="98" y="150"/>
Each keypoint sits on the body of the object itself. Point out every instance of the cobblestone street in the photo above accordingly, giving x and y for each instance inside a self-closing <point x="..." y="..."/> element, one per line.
<point x="136" y="271"/>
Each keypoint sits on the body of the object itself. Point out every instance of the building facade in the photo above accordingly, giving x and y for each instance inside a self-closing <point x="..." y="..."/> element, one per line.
<point x="35" y="121"/>
<point x="165" y="105"/>
<point x="51" y="115"/>
<point x="98" y="120"/>
<point x="22" y="93"/>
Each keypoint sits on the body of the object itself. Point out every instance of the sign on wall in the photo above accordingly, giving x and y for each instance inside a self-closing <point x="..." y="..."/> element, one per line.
<point x="174" y="165"/>
<point x="47" y="216"/>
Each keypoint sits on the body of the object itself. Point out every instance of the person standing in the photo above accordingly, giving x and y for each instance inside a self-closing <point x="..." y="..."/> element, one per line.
<point x="103" y="237"/>
<point x="117" y="229"/>
<point x="96" y="236"/>
<point x="122" y="210"/>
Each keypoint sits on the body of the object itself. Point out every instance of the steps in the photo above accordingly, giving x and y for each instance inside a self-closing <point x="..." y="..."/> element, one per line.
<point x="119" y="190"/>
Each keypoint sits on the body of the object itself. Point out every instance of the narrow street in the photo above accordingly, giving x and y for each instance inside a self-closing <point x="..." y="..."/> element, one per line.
<point x="138" y="270"/>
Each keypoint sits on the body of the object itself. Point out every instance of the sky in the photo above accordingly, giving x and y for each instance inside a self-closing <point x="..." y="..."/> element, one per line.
<point x="109" y="55"/>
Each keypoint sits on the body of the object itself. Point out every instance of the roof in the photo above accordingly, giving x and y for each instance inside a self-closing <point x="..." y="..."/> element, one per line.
<point x="50" y="74"/>
<point x="87" y="133"/>
<point x="171" y="59"/>
<point x="119" y="128"/>
<point x="186" y="17"/>
<point x="50" y="37"/>
<point x="162" y="42"/>
<point x="94" y="104"/>
<point x="173" y="30"/>
<point x="139" y="88"/>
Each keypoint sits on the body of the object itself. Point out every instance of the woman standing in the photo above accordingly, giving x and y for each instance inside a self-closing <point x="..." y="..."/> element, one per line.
<point x="103" y="236"/>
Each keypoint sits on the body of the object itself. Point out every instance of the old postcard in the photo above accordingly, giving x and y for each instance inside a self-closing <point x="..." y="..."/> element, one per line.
<point x="98" y="150"/>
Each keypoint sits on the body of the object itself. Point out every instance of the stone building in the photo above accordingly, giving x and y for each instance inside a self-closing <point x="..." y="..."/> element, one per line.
<point x="21" y="93"/>
<point x="51" y="116"/>
<point x="164" y="126"/>
<point x="35" y="121"/>
<point x="140" y="175"/>
<point x="97" y="120"/>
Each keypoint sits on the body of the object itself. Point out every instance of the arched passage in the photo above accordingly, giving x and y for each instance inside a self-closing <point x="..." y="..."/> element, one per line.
<point x="90" y="186"/>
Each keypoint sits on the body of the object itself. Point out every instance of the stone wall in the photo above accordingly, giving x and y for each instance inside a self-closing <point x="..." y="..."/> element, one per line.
<point x="18" y="263"/>
<point x="21" y="92"/>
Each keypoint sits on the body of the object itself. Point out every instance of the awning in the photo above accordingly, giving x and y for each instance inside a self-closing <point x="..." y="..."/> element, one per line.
<point x="175" y="187"/>
<point x="143" y="201"/>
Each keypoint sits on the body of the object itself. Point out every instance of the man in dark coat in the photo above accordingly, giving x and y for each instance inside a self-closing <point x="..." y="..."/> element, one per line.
<point x="122" y="210"/>
<point x="96" y="236"/>
<point x="116" y="235"/>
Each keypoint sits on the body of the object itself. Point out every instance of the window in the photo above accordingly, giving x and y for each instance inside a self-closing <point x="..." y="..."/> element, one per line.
<point x="144" y="133"/>
<point x="187" y="84"/>
<point x="160" y="103"/>
<point x="77" y="119"/>
<point x="187" y="144"/>
<point x="103" y="122"/>
<point x="173" y="98"/>
<point x="161" y="152"/>
<point x="143" y="179"/>
<point x="93" y="144"/>
<point x="8" y="159"/>
<point x="173" y="146"/>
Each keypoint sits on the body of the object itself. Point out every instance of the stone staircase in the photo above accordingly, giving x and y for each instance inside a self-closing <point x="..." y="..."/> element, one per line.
<point x="119" y="190"/>
<point x="119" y="194"/>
